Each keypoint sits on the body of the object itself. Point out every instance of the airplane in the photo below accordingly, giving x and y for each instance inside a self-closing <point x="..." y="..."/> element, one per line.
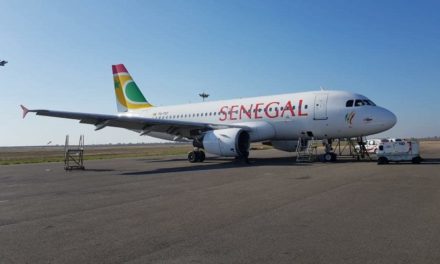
<point x="3" y="62"/>
<point x="226" y="128"/>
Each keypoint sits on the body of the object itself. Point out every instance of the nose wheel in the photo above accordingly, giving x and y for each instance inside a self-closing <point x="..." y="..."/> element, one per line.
<point x="329" y="157"/>
<point x="196" y="156"/>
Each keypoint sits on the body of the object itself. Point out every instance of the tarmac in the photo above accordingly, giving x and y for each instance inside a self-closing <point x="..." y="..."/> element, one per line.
<point x="166" y="210"/>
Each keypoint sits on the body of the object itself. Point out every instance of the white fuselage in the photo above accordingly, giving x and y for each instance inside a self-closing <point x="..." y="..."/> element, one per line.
<point x="318" y="114"/>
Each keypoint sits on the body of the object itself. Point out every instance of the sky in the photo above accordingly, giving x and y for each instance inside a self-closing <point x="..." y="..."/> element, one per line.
<point x="60" y="55"/>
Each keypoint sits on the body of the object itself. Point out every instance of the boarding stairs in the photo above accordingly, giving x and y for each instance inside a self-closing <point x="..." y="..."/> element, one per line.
<point x="306" y="150"/>
<point x="74" y="155"/>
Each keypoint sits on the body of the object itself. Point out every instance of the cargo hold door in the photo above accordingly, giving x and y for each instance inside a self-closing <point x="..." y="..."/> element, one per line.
<point x="320" y="107"/>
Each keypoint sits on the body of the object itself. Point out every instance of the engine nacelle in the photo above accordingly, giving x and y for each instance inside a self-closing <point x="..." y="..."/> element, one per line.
<point x="228" y="142"/>
<point x="285" y="145"/>
<point x="261" y="130"/>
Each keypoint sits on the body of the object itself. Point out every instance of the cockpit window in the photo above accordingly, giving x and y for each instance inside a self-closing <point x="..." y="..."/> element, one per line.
<point x="366" y="102"/>
<point x="349" y="103"/>
<point x="359" y="103"/>
<point x="371" y="103"/>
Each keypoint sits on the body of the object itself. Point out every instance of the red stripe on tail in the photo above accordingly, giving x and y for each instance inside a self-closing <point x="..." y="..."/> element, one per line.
<point x="119" y="68"/>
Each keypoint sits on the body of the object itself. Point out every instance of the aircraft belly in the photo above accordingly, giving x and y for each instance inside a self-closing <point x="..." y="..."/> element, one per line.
<point x="287" y="129"/>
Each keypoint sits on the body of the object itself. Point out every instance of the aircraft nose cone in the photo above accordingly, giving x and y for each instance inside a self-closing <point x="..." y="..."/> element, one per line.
<point x="390" y="119"/>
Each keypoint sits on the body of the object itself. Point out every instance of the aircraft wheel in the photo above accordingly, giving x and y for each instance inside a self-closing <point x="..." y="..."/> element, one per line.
<point x="193" y="157"/>
<point x="327" y="157"/>
<point x="202" y="156"/>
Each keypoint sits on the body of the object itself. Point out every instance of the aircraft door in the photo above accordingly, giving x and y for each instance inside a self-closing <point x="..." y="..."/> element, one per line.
<point x="321" y="106"/>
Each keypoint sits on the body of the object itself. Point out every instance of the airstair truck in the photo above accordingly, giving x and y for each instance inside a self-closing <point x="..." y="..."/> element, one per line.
<point x="405" y="150"/>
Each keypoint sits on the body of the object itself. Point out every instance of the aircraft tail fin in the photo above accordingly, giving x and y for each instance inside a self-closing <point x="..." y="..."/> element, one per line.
<point x="128" y="95"/>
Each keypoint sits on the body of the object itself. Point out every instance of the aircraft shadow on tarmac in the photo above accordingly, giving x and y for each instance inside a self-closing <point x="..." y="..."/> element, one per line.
<point x="220" y="163"/>
<point x="223" y="163"/>
<point x="94" y="170"/>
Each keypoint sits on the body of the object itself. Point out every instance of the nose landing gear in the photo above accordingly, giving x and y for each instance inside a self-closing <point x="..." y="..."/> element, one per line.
<point x="329" y="155"/>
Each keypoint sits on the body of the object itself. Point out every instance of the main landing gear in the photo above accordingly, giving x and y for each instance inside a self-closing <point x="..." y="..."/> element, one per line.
<point x="196" y="156"/>
<point x="244" y="158"/>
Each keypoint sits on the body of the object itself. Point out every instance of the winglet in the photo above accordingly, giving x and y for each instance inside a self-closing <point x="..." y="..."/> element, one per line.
<point x="25" y="110"/>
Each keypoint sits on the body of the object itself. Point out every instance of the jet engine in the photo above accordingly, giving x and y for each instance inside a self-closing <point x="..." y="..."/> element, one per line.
<point x="228" y="142"/>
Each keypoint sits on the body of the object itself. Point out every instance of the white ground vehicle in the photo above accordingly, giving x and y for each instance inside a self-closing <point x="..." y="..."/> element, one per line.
<point x="372" y="145"/>
<point x="399" y="151"/>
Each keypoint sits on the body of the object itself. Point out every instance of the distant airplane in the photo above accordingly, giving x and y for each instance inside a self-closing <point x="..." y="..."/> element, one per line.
<point x="3" y="62"/>
<point x="226" y="128"/>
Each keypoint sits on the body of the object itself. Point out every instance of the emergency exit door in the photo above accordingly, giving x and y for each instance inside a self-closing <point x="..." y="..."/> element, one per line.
<point x="321" y="107"/>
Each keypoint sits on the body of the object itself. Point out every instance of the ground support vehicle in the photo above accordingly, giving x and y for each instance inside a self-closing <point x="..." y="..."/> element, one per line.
<point x="399" y="151"/>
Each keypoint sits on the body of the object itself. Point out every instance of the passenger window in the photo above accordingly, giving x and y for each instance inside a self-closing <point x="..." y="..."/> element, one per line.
<point x="349" y="103"/>
<point x="305" y="107"/>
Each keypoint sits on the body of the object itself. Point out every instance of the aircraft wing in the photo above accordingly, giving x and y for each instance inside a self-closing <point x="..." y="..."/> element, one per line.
<point x="143" y="125"/>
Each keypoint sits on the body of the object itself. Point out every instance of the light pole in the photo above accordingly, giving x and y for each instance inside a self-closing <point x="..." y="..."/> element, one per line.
<point x="204" y="96"/>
